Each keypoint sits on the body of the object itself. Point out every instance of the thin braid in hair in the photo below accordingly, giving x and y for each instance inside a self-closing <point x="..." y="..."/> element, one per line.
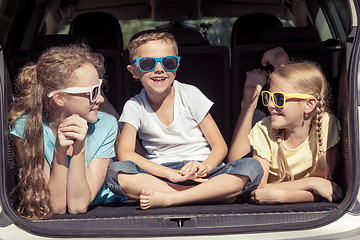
<point x="321" y="168"/>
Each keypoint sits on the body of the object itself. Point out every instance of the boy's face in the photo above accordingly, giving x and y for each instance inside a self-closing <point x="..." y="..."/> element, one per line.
<point x="157" y="81"/>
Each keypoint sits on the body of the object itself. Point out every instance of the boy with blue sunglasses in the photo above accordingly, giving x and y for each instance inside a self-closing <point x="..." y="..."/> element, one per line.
<point x="184" y="147"/>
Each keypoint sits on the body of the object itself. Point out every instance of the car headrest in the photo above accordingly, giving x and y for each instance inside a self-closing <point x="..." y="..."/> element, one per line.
<point x="291" y="34"/>
<point x="102" y="29"/>
<point x="185" y="34"/>
<point x="45" y="41"/>
<point x="250" y="28"/>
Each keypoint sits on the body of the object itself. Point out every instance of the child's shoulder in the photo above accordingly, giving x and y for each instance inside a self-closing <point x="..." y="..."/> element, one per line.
<point x="263" y="129"/>
<point x="186" y="87"/>
<point x="329" y="117"/>
<point x="138" y="98"/>
<point x="106" y="120"/>
<point x="189" y="92"/>
<point x="105" y="116"/>
<point x="330" y="122"/>
<point x="264" y="123"/>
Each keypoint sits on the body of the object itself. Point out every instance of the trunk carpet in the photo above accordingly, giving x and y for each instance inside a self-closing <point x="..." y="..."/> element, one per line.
<point x="131" y="208"/>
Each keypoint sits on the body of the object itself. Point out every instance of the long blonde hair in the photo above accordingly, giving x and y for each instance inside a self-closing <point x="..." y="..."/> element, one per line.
<point x="307" y="78"/>
<point x="52" y="71"/>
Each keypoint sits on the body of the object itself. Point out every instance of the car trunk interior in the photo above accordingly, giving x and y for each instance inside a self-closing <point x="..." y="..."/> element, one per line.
<point x="128" y="220"/>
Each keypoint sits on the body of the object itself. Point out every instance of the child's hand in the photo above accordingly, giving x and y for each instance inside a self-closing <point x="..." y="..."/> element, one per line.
<point x="194" y="169"/>
<point x="174" y="176"/>
<point x="327" y="189"/>
<point x="255" y="80"/>
<point x="72" y="131"/>
<point x="267" y="194"/>
<point x="276" y="57"/>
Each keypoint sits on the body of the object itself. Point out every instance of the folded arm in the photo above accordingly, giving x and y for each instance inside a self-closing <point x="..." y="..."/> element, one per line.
<point x="301" y="190"/>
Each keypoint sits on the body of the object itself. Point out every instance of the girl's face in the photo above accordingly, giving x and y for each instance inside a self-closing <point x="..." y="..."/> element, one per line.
<point x="158" y="82"/>
<point x="79" y="103"/>
<point x="291" y="115"/>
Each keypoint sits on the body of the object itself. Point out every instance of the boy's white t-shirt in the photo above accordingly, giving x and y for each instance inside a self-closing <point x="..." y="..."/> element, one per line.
<point x="183" y="138"/>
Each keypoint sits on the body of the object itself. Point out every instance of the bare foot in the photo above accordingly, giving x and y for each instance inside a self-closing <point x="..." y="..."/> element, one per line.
<point x="151" y="199"/>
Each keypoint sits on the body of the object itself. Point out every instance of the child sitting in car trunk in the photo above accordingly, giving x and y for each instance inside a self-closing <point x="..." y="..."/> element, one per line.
<point x="184" y="147"/>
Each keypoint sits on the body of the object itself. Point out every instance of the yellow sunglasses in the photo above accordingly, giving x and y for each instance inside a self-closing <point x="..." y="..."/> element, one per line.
<point x="279" y="98"/>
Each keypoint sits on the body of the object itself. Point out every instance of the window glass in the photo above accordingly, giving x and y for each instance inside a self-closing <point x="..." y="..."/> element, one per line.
<point x="64" y="29"/>
<point x="220" y="29"/>
<point x="322" y="26"/>
<point x="130" y="27"/>
<point x="343" y="11"/>
<point x="218" y="32"/>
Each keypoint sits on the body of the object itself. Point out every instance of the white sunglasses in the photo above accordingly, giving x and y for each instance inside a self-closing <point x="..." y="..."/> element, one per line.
<point x="94" y="91"/>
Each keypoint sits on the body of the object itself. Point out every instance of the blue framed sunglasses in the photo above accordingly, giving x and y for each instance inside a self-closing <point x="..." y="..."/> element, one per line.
<point x="148" y="64"/>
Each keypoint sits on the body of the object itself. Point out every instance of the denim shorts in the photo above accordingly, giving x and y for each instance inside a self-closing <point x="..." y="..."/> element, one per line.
<point x="245" y="166"/>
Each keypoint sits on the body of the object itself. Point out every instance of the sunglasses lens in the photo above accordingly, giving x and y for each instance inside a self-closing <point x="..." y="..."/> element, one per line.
<point x="147" y="64"/>
<point x="279" y="99"/>
<point x="266" y="98"/>
<point x="170" y="63"/>
<point x="94" y="94"/>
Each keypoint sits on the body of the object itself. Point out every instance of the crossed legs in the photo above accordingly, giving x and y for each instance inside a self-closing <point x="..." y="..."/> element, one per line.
<point x="154" y="192"/>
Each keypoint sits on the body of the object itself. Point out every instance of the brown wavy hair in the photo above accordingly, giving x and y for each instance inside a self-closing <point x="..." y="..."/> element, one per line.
<point x="307" y="78"/>
<point x="53" y="70"/>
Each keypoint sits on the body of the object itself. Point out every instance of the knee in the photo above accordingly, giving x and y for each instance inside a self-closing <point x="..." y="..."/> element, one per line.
<point x="251" y="167"/>
<point x="118" y="172"/>
<point x="125" y="180"/>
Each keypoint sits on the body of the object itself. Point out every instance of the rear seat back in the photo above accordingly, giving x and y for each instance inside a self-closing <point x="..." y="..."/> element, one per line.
<point x="44" y="42"/>
<point x="102" y="29"/>
<point x="249" y="28"/>
<point x="103" y="32"/>
<point x="208" y="68"/>
<point x="185" y="34"/>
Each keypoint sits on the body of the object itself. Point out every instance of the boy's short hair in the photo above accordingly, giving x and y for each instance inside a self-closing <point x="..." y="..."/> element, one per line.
<point x="143" y="37"/>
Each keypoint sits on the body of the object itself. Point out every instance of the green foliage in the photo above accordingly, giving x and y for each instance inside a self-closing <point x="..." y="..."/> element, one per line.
<point x="219" y="34"/>
<point x="130" y="27"/>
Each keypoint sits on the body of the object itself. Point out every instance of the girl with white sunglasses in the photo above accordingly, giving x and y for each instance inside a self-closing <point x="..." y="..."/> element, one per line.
<point x="64" y="144"/>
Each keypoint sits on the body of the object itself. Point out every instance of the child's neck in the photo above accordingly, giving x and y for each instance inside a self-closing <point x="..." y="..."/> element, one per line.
<point x="55" y="121"/>
<point x="163" y="106"/>
<point x="296" y="136"/>
<point x="156" y="101"/>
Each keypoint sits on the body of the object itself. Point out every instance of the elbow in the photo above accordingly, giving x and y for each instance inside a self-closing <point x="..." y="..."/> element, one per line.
<point x="124" y="155"/>
<point x="79" y="209"/>
<point x="78" y="204"/>
<point x="223" y="149"/>
<point x="59" y="209"/>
